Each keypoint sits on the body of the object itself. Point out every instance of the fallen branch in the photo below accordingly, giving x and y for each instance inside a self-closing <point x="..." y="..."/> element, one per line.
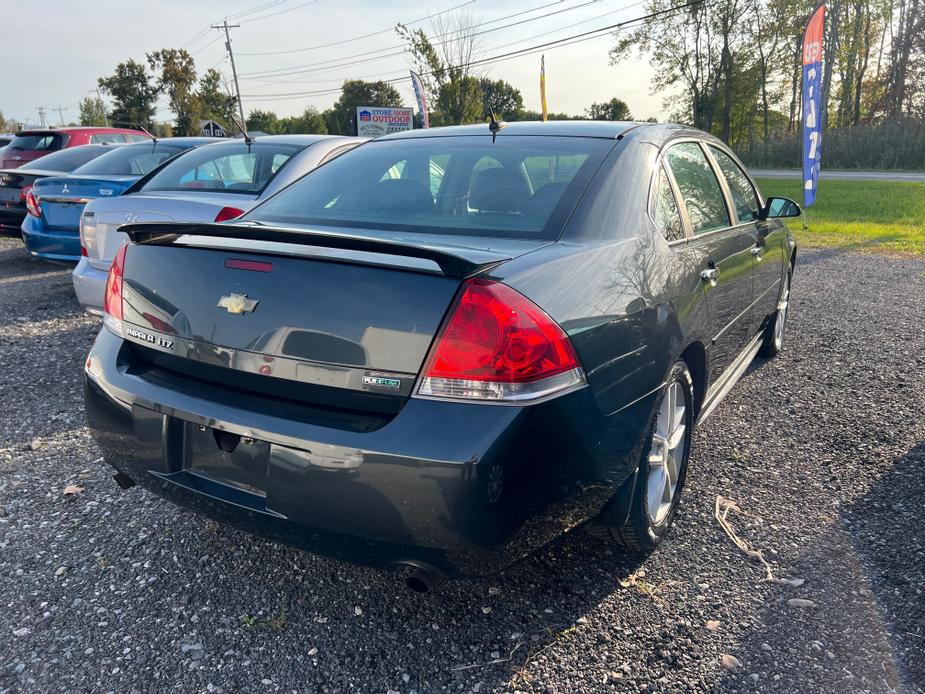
<point x="721" y="512"/>
<point x="490" y="662"/>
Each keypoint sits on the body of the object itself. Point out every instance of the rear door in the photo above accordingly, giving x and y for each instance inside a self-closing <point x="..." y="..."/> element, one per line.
<point x="768" y="252"/>
<point x="723" y="247"/>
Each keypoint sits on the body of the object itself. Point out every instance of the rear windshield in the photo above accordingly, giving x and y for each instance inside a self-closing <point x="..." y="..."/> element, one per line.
<point x="518" y="186"/>
<point x="234" y="167"/>
<point x="40" y="142"/>
<point x="67" y="160"/>
<point x="130" y="160"/>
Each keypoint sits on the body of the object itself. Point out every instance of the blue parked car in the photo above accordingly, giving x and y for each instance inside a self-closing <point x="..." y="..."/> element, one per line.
<point x="51" y="230"/>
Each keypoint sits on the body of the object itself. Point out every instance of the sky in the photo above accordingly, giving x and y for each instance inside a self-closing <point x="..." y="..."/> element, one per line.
<point x="91" y="37"/>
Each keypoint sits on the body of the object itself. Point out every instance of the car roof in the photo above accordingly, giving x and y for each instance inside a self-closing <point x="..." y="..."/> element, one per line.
<point x="76" y="128"/>
<point x="560" y="128"/>
<point x="610" y="130"/>
<point x="186" y="140"/>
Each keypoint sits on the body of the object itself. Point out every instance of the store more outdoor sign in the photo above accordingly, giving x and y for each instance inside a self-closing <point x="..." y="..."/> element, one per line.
<point x="373" y="121"/>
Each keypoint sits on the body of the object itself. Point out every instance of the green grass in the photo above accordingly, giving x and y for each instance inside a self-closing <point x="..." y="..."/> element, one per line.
<point x="876" y="216"/>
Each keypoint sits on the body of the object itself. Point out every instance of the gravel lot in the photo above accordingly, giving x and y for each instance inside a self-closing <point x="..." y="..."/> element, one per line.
<point x="823" y="449"/>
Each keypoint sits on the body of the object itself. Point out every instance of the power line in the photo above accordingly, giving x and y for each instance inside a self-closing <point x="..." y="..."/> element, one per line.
<point x="273" y="14"/>
<point x="550" y="45"/>
<point x="325" y="65"/>
<point x="493" y="48"/>
<point x="364" y="36"/>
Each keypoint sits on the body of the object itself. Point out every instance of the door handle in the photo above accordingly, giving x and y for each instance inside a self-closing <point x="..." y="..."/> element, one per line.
<point x="709" y="275"/>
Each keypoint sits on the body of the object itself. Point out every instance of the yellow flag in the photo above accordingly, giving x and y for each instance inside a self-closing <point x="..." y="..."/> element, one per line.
<point x="543" y="85"/>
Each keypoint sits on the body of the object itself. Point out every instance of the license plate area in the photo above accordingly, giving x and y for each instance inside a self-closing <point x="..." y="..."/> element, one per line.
<point x="227" y="458"/>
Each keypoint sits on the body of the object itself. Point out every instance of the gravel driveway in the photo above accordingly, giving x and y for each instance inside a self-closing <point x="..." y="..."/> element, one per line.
<point x="822" y="449"/>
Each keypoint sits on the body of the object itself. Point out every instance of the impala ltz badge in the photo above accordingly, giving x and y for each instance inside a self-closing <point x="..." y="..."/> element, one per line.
<point x="149" y="338"/>
<point x="238" y="303"/>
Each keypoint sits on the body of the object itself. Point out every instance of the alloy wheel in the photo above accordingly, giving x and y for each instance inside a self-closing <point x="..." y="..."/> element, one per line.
<point x="666" y="455"/>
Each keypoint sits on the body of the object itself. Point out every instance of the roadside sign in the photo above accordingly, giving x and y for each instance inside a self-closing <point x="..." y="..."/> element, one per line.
<point x="374" y="121"/>
<point x="209" y="128"/>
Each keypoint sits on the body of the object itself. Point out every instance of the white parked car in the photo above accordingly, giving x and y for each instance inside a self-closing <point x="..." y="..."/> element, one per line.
<point x="211" y="183"/>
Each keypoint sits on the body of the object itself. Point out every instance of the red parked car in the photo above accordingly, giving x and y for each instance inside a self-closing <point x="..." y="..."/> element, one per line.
<point x="29" y="145"/>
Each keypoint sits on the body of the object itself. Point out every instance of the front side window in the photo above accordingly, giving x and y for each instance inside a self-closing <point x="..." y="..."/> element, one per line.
<point x="665" y="210"/>
<point x="744" y="196"/>
<point x="231" y="168"/>
<point x="446" y="185"/>
<point x="699" y="188"/>
<point x="130" y="160"/>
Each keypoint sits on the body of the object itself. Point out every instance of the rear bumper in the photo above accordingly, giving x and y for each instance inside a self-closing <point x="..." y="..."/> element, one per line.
<point x="465" y="489"/>
<point x="59" y="245"/>
<point x="89" y="285"/>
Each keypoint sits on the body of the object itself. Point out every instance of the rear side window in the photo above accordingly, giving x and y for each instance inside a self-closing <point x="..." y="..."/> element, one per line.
<point x="231" y="168"/>
<point x="106" y="138"/>
<point x="130" y="160"/>
<point x="67" y="159"/>
<point x="37" y="143"/>
<point x="699" y="188"/>
<point x="665" y="210"/>
<point x="515" y="187"/>
<point x="744" y="196"/>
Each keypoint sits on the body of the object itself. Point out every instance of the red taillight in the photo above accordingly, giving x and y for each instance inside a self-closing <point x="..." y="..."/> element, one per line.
<point x="83" y="251"/>
<point x="498" y="345"/>
<point x="112" y="299"/>
<point x="227" y="213"/>
<point x="24" y="193"/>
<point x="32" y="205"/>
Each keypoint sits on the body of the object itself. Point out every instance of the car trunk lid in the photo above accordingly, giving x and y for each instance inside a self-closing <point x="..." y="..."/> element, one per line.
<point x="101" y="237"/>
<point x="62" y="199"/>
<point x="338" y="317"/>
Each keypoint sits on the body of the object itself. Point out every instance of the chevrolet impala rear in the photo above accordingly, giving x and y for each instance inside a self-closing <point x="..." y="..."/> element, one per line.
<point x="399" y="359"/>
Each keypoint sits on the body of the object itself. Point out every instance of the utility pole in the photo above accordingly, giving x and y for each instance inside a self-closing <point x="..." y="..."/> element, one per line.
<point x="60" y="110"/>
<point x="226" y="26"/>
<point x="41" y="110"/>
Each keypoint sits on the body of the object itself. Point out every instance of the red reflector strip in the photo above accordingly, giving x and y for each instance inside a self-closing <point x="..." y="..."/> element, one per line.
<point x="253" y="265"/>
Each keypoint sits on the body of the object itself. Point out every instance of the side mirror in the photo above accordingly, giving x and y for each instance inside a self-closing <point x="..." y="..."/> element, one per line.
<point x="775" y="208"/>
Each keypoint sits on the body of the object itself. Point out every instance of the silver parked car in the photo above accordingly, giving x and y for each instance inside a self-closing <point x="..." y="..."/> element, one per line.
<point x="215" y="182"/>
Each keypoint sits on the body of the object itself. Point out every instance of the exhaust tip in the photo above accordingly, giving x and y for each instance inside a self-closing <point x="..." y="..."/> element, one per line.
<point x="123" y="480"/>
<point x="418" y="578"/>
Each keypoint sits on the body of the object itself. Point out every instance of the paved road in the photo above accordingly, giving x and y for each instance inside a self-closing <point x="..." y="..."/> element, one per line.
<point x="823" y="449"/>
<point x="908" y="176"/>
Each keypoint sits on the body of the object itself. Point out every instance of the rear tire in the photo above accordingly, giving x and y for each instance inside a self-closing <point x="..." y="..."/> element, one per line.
<point x="773" y="341"/>
<point x="663" y="467"/>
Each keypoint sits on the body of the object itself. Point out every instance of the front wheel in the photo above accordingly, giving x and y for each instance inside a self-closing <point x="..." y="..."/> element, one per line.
<point x="774" y="332"/>
<point x="663" y="468"/>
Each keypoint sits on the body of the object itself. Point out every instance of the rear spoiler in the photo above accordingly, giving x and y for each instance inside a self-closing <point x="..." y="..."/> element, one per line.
<point x="453" y="264"/>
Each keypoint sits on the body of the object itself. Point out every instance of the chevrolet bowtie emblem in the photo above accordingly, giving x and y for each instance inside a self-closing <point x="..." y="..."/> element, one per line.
<point x="238" y="303"/>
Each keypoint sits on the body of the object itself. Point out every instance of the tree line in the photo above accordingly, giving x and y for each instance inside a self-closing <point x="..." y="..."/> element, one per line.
<point x="737" y="65"/>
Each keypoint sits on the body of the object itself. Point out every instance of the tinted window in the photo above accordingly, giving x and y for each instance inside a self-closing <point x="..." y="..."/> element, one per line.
<point x="106" y="138"/>
<point x="130" y="160"/>
<point x="699" y="188"/>
<point x="451" y="185"/>
<point x="231" y="168"/>
<point x="744" y="197"/>
<point x="37" y="143"/>
<point x="665" y="210"/>
<point x="67" y="159"/>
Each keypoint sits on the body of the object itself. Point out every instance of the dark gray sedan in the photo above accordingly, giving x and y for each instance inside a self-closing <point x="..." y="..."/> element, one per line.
<point x="445" y="348"/>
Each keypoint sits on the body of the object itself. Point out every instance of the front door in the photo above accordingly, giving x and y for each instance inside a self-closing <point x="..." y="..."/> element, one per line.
<point x="724" y="251"/>
<point x="769" y="251"/>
